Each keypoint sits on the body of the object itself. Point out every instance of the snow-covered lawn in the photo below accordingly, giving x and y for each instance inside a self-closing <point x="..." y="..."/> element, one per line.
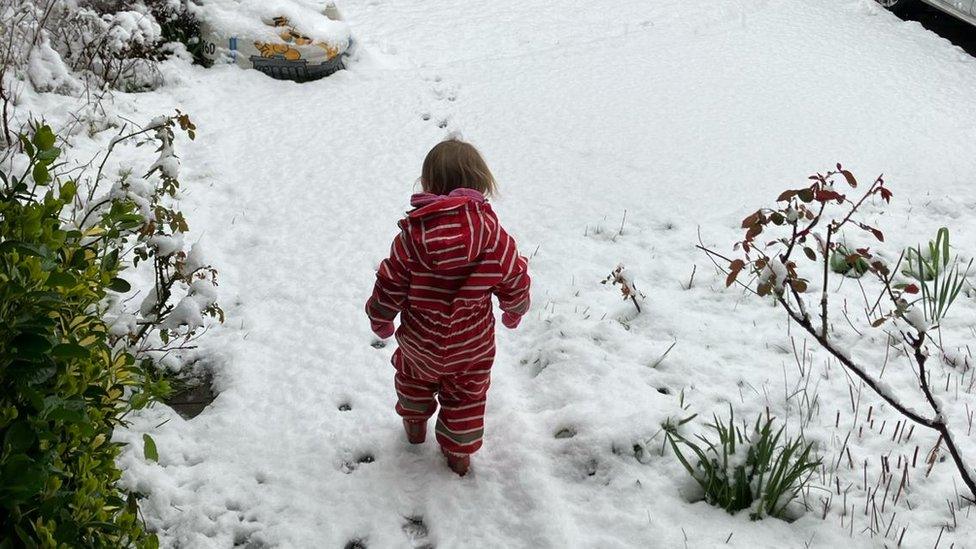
<point x="681" y="114"/>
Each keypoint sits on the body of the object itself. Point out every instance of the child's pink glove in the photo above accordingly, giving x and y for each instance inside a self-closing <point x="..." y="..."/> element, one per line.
<point x="511" y="321"/>
<point x="383" y="330"/>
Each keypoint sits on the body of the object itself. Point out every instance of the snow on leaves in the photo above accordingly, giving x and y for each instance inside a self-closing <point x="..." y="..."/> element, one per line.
<point x="801" y="212"/>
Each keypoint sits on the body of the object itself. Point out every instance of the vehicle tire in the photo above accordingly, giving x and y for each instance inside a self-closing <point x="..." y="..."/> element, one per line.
<point x="897" y="6"/>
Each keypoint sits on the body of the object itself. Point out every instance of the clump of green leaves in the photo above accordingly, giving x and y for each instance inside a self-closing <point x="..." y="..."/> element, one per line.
<point x="938" y="276"/>
<point x="68" y="379"/>
<point x="62" y="381"/>
<point x="849" y="263"/>
<point x="926" y="266"/>
<point x="759" y="470"/>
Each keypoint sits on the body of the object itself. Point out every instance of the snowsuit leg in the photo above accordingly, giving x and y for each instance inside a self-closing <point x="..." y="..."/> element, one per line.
<point x="461" y="392"/>
<point x="461" y="421"/>
<point x="415" y="390"/>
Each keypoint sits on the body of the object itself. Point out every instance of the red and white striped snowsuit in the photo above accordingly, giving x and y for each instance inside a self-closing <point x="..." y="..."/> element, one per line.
<point x="449" y="258"/>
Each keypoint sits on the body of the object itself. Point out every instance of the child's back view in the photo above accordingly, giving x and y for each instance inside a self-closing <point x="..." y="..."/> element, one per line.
<point x="449" y="258"/>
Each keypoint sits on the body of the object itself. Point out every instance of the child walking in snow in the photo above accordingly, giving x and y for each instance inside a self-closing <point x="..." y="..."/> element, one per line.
<point x="451" y="255"/>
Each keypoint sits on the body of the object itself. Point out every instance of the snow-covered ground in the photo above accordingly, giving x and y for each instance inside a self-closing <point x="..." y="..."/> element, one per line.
<point x="681" y="114"/>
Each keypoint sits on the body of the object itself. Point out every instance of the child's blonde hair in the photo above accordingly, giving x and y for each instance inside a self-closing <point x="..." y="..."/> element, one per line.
<point x="454" y="164"/>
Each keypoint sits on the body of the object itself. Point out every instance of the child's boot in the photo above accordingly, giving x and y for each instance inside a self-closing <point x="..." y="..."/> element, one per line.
<point x="416" y="431"/>
<point x="459" y="463"/>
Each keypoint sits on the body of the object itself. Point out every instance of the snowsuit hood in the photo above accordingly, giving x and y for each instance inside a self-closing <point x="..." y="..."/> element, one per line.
<point x="450" y="231"/>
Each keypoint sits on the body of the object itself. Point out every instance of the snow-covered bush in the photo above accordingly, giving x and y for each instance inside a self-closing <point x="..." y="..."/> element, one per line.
<point x="85" y="48"/>
<point x="117" y="48"/>
<point x="911" y="310"/>
<point x="183" y="295"/>
<point x="760" y="471"/>
<point x="178" y="24"/>
<point x="76" y="356"/>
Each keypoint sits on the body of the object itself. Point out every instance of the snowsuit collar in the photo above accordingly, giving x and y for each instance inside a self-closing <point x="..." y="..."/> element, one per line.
<point x="420" y="200"/>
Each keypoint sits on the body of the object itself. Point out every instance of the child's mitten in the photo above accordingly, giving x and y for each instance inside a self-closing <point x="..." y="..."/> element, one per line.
<point x="511" y="321"/>
<point x="383" y="330"/>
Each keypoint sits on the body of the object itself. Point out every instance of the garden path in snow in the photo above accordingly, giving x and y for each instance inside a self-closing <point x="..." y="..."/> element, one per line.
<point x="681" y="114"/>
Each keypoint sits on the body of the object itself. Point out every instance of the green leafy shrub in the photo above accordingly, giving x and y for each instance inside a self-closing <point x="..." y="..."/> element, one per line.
<point x="63" y="381"/>
<point x="68" y="377"/>
<point x="744" y="470"/>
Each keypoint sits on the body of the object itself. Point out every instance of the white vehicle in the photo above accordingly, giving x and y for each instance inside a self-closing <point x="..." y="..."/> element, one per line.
<point x="963" y="9"/>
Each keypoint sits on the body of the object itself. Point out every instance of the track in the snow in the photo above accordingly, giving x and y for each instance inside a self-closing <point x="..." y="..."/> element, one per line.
<point x="958" y="32"/>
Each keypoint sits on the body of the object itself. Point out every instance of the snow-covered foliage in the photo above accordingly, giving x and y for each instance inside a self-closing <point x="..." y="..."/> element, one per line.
<point x="831" y="208"/>
<point x="82" y="48"/>
<point x="758" y="469"/>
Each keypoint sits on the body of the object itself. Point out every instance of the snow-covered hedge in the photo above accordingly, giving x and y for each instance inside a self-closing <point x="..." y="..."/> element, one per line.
<point x="81" y="48"/>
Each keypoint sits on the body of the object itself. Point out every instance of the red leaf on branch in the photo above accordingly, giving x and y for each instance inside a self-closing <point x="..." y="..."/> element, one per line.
<point x="911" y="289"/>
<point x="848" y="176"/>
<point x="877" y="233"/>
<point x="752" y="219"/>
<point x="734" y="269"/>
<point x="885" y="194"/>
<point x="823" y="195"/>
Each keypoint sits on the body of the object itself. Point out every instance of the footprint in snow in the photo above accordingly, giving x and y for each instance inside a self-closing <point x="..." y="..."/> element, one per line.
<point x="417" y="532"/>
<point x="357" y="543"/>
<point x="566" y="432"/>
<point x="242" y="538"/>
<point x="348" y="466"/>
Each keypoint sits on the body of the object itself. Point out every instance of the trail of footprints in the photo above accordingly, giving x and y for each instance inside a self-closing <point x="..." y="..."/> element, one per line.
<point x="414" y="527"/>
<point x="442" y="110"/>
<point x="441" y="113"/>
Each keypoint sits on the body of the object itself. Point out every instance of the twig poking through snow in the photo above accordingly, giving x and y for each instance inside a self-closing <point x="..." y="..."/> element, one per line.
<point x="627" y="286"/>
